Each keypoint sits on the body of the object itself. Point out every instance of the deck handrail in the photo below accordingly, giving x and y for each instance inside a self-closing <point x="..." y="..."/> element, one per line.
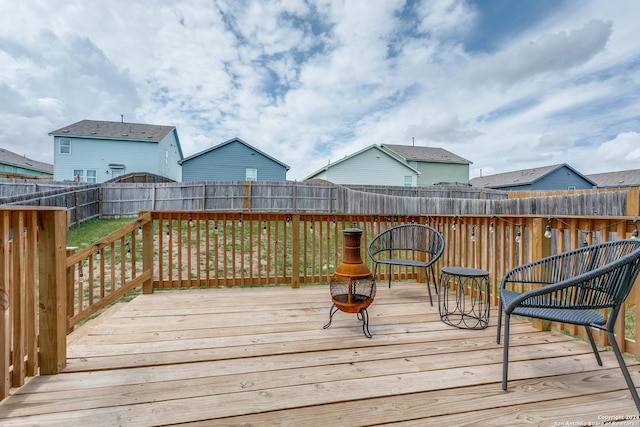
<point x="32" y="293"/>
<point x="177" y="249"/>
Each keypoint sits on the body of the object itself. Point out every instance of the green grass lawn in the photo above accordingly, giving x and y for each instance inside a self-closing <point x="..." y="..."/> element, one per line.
<point x="93" y="230"/>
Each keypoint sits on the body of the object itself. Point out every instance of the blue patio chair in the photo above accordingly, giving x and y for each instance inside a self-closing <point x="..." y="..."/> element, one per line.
<point x="574" y="287"/>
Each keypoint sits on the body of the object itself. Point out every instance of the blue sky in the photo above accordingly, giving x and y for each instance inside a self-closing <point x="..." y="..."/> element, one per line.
<point x="506" y="84"/>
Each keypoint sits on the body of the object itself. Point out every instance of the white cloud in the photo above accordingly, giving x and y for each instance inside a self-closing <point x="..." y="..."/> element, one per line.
<point x="553" y="141"/>
<point x="624" y="146"/>
<point x="446" y="18"/>
<point x="312" y="81"/>
<point x="550" y="53"/>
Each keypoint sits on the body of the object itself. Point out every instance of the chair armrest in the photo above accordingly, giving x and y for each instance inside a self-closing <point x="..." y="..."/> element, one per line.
<point x="569" y="288"/>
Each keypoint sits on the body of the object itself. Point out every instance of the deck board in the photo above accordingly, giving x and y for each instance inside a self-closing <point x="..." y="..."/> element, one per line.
<point x="259" y="356"/>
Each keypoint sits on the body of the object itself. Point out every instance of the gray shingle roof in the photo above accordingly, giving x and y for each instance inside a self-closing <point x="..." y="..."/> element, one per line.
<point x="519" y="177"/>
<point x="627" y="178"/>
<point x="114" y="130"/>
<point x="425" y="154"/>
<point x="13" y="159"/>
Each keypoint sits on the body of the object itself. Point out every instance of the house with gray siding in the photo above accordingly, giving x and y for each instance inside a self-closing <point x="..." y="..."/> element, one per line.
<point x="13" y="165"/>
<point x="233" y="160"/>
<point x="97" y="151"/>
<point x="617" y="179"/>
<point x="372" y="165"/>
<point x="554" y="177"/>
<point x="436" y="165"/>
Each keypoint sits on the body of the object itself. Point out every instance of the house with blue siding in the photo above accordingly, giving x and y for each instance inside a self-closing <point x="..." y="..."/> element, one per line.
<point x="97" y="151"/>
<point x="233" y="160"/>
<point x="372" y="165"/>
<point x="554" y="177"/>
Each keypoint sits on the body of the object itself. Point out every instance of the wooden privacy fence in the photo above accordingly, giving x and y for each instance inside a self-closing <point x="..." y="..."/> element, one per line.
<point x="241" y="196"/>
<point x="116" y="199"/>
<point x="47" y="289"/>
<point x="82" y="200"/>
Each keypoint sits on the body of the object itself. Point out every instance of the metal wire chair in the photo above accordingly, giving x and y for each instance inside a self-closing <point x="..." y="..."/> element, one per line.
<point x="409" y="245"/>
<point x="574" y="287"/>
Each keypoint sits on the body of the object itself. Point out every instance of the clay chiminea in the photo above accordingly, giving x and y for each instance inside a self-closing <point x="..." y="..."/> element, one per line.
<point x="352" y="285"/>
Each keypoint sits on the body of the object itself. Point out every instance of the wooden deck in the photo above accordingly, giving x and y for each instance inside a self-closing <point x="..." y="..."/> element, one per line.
<point x="259" y="356"/>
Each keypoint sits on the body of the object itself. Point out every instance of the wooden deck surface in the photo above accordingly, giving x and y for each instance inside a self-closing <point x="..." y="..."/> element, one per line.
<point x="259" y="356"/>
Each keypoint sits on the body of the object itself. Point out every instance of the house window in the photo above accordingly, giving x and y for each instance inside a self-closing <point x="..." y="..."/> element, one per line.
<point x="251" y="174"/>
<point x="571" y="187"/>
<point x="166" y="157"/>
<point x="408" y="181"/>
<point x="413" y="165"/>
<point x="88" y="175"/>
<point x="65" y="146"/>
<point x="92" y="175"/>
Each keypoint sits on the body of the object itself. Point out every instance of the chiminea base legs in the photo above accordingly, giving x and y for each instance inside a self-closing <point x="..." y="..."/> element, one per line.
<point x="363" y="316"/>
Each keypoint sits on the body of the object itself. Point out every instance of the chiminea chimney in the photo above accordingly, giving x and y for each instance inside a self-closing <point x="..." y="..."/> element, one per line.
<point x="352" y="286"/>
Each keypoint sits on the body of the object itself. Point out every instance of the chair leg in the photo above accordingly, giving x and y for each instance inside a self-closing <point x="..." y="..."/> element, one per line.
<point x="505" y="354"/>
<point x="435" y="279"/>
<point x="625" y="370"/>
<point x="499" y="321"/>
<point x="426" y="278"/>
<point x="593" y="345"/>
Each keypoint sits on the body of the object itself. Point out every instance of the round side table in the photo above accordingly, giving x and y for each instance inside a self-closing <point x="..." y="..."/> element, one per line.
<point x="463" y="300"/>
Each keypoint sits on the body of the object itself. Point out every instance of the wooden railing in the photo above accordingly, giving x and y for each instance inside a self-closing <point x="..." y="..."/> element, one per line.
<point x="32" y="324"/>
<point x="100" y="274"/>
<point x="169" y="249"/>
<point x="232" y="249"/>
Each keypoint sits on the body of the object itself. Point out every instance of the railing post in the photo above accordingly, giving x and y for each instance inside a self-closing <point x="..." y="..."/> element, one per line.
<point x="5" y="325"/>
<point x="295" y="251"/>
<point x="53" y="291"/>
<point x="422" y="220"/>
<point x="70" y="285"/>
<point x="540" y="248"/>
<point x="540" y="245"/>
<point x="147" y="254"/>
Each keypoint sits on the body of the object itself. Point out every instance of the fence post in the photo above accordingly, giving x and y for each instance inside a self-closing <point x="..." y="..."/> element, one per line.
<point x="53" y="291"/>
<point x="295" y="251"/>
<point x="147" y="253"/>
<point x="246" y="201"/>
<point x="633" y="202"/>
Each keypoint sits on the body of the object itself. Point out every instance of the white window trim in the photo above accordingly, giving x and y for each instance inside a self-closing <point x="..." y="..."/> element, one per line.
<point x="84" y="175"/>
<point x="94" y="178"/>
<point x="66" y="140"/>
<point x="253" y="177"/>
